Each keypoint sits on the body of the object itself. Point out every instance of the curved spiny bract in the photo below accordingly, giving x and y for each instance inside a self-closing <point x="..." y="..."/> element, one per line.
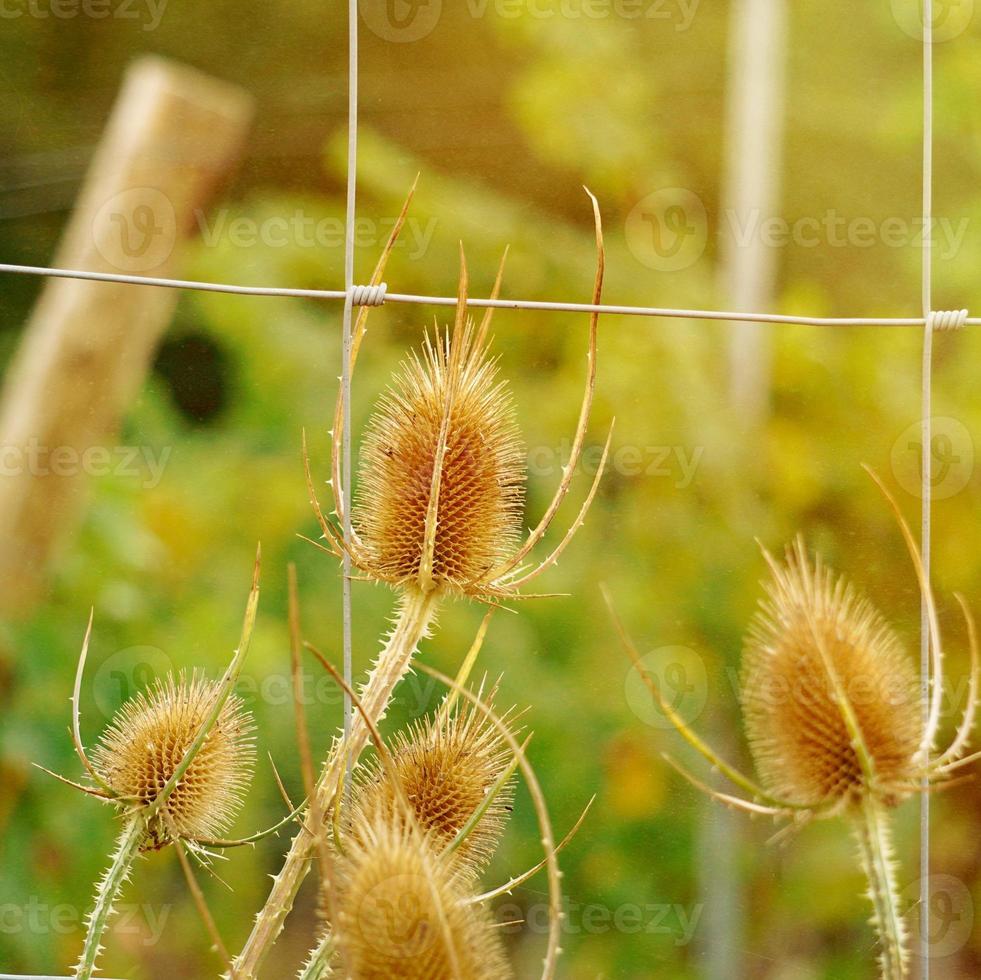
<point x="441" y="494"/>
<point x="815" y="650"/>
<point x="834" y="718"/>
<point x="453" y="398"/>
<point x="438" y="511"/>
<point x="444" y="767"/>
<point x="403" y="912"/>
<point x="150" y="735"/>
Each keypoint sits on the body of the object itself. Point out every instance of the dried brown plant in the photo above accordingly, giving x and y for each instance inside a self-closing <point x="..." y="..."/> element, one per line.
<point x="403" y="911"/>
<point x="438" y="513"/>
<point x="835" y="720"/>
<point x="175" y="762"/>
<point x="147" y="740"/>
<point x="447" y="767"/>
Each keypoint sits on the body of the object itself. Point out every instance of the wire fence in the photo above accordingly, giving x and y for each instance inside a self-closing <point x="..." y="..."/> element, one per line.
<point x="353" y="295"/>
<point x="379" y="295"/>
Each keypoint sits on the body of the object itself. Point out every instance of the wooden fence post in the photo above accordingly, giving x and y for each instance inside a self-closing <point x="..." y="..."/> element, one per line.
<point x="173" y="134"/>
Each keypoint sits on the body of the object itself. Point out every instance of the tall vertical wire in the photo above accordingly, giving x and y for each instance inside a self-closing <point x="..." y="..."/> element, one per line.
<point x="352" y="179"/>
<point x="926" y="462"/>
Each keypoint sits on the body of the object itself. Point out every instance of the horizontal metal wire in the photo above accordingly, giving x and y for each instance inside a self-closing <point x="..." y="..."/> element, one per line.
<point x="502" y="304"/>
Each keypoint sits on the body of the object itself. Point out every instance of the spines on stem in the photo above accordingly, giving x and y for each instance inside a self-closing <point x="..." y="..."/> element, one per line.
<point x="874" y="834"/>
<point x="317" y="965"/>
<point x="415" y="615"/>
<point x="107" y="891"/>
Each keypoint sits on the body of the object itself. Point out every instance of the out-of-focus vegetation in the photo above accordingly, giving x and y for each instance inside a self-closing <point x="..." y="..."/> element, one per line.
<point x="505" y="117"/>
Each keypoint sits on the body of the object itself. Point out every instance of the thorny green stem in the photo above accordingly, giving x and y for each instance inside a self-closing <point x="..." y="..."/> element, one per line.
<point x="127" y="848"/>
<point x="392" y="665"/>
<point x="872" y="829"/>
<point x="317" y="966"/>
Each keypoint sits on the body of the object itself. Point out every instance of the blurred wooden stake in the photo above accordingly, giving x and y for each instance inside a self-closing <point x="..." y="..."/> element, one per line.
<point x="751" y="191"/>
<point x="173" y="134"/>
<point x="750" y="195"/>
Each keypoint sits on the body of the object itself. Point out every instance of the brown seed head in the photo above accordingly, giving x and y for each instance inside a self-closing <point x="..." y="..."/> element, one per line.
<point x="445" y="767"/>
<point x="146" y="741"/>
<point x="451" y="397"/>
<point x="402" y="913"/>
<point x="810" y="629"/>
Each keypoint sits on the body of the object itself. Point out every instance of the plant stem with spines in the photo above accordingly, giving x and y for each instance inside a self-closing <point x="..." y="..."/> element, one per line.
<point x="317" y="966"/>
<point x="127" y="847"/>
<point x="415" y="616"/>
<point x="874" y="834"/>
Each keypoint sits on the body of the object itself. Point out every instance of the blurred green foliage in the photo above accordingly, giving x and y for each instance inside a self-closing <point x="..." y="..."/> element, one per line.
<point x="505" y="118"/>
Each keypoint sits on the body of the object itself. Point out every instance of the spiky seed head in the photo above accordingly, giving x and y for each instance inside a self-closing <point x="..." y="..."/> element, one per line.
<point x="456" y="395"/>
<point x="809" y="628"/>
<point x="146" y="741"/>
<point x="445" y="766"/>
<point x="402" y="912"/>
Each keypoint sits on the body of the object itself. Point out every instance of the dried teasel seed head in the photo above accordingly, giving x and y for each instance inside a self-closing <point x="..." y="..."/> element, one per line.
<point x="450" y="397"/>
<point x="402" y="913"/>
<point x="146" y="741"/>
<point x="810" y="630"/>
<point x="445" y="766"/>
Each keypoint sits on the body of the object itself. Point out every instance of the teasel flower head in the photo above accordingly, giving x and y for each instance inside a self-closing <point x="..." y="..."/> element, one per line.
<point x="147" y="740"/>
<point x="835" y="720"/>
<point x="447" y="407"/>
<point x="446" y="768"/>
<point x="403" y="913"/>
<point x="396" y="898"/>
<point x="820" y="666"/>
<point x="440" y="498"/>
<point x="175" y="761"/>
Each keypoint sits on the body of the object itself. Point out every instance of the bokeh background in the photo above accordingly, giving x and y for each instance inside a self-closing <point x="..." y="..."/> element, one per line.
<point x="505" y="113"/>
